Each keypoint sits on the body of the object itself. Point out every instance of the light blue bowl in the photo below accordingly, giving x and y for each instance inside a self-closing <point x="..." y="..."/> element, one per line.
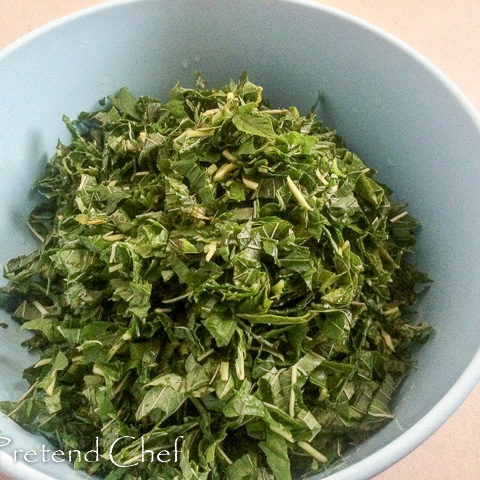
<point x="396" y="110"/>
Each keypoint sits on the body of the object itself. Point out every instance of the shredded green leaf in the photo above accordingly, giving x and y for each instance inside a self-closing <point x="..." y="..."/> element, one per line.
<point x="213" y="269"/>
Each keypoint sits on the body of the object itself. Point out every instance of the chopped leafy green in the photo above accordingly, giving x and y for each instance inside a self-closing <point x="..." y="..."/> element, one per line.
<point x="213" y="269"/>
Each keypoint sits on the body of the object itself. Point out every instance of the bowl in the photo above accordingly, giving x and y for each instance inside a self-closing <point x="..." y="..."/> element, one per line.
<point x="392" y="107"/>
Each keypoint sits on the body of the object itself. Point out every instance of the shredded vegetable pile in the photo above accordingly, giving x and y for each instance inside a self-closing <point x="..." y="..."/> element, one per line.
<point x="214" y="269"/>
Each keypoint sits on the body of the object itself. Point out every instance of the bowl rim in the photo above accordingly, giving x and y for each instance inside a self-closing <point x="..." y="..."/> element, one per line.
<point x="414" y="436"/>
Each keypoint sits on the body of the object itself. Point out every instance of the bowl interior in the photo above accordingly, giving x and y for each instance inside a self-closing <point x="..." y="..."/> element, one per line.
<point x="390" y="107"/>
